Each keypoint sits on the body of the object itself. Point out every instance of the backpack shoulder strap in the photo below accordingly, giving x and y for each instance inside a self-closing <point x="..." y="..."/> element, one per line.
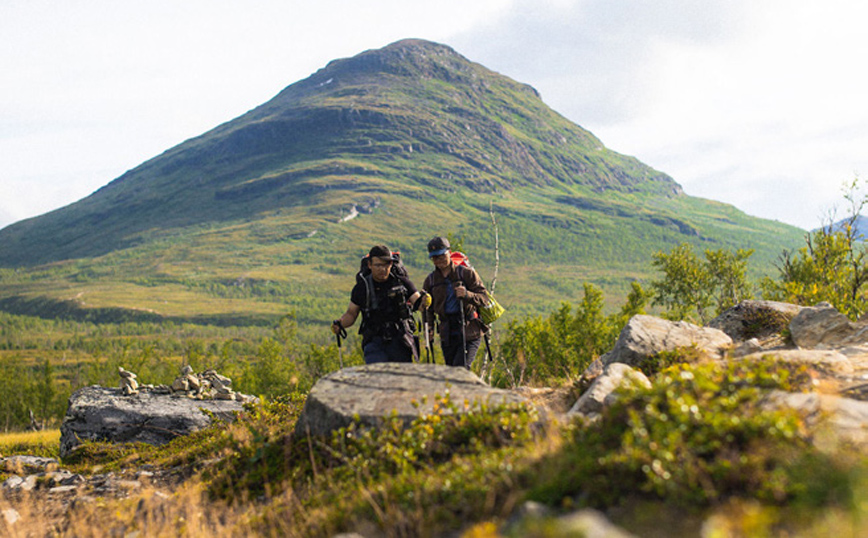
<point x="369" y="288"/>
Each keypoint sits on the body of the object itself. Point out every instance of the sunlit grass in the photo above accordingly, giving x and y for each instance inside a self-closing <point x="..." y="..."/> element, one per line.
<point x="44" y="443"/>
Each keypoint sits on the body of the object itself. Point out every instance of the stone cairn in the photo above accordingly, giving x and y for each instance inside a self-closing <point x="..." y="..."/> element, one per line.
<point x="208" y="385"/>
<point x="129" y="385"/>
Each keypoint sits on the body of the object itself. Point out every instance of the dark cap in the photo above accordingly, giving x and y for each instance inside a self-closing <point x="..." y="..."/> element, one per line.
<point x="380" y="251"/>
<point x="437" y="246"/>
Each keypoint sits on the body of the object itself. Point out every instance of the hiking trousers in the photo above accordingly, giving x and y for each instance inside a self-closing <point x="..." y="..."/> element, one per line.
<point x="453" y="354"/>
<point x="382" y="350"/>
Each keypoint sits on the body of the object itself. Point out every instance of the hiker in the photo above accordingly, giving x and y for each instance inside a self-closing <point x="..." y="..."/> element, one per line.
<point x="455" y="291"/>
<point x="385" y="297"/>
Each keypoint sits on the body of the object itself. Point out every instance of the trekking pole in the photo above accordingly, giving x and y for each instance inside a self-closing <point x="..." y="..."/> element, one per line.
<point x="463" y="338"/>
<point x="342" y="333"/>
<point x="490" y="359"/>
<point x="427" y="343"/>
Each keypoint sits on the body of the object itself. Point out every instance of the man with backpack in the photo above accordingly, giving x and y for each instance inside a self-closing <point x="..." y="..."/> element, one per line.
<point x="385" y="297"/>
<point x="456" y="292"/>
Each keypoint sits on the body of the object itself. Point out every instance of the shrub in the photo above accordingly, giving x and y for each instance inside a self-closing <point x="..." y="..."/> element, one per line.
<point x="692" y="286"/>
<point x="697" y="436"/>
<point x="546" y="351"/>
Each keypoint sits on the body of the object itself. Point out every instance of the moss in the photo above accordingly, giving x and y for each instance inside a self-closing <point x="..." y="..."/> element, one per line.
<point x="654" y="364"/>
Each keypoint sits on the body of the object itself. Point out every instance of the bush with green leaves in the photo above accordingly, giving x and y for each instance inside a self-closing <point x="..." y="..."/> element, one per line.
<point x="692" y="288"/>
<point x="697" y="436"/>
<point x="831" y="267"/>
<point x="450" y="429"/>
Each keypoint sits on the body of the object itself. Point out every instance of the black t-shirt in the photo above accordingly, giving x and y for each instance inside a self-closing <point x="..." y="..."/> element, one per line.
<point x="359" y="295"/>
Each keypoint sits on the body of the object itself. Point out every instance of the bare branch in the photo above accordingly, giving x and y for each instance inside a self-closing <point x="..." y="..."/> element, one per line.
<point x="496" y="245"/>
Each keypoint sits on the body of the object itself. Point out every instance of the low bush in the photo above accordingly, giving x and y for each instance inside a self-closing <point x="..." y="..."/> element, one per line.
<point x="697" y="436"/>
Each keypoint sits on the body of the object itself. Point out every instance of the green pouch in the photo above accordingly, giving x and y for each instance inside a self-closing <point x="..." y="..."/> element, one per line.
<point x="491" y="311"/>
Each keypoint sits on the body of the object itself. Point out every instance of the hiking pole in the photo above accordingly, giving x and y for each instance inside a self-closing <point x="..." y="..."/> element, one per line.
<point x="427" y="343"/>
<point x="490" y="360"/>
<point x="342" y="333"/>
<point x="463" y="337"/>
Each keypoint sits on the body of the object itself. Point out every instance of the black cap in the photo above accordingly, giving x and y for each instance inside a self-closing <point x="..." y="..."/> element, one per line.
<point x="437" y="246"/>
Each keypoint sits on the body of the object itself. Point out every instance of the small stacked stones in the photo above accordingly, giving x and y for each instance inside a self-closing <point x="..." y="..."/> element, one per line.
<point x="220" y="385"/>
<point x="129" y="385"/>
<point x="204" y="386"/>
<point x="208" y="384"/>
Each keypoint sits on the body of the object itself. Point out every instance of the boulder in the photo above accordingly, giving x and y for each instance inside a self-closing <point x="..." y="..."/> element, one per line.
<point x="601" y="393"/>
<point x="646" y="336"/>
<point x="755" y="319"/>
<point x="105" y="414"/>
<point x="822" y="326"/>
<point x="369" y="393"/>
<point x="823" y="359"/>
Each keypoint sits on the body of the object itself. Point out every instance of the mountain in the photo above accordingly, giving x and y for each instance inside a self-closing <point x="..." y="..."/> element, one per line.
<point x="393" y="145"/>
<point x="859" y="224"/>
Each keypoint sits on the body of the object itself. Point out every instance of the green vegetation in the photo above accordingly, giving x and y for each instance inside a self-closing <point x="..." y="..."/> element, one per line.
<point x="43" y="361"/>
<point x="556" y="349"/>
<point x="230" y="251"/>
<point x="690" y="286"/>
<point x="696" y="437"/>
<point x="697" y="442"/>
<point x="43" y="443"/>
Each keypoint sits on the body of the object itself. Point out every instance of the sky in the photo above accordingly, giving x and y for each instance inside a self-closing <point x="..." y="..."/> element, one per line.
<point x="756" y="103"/>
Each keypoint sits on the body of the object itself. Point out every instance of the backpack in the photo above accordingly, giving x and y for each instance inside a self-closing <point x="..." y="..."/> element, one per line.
<point x="492" y="310"/>
<point x="372" y="305"/>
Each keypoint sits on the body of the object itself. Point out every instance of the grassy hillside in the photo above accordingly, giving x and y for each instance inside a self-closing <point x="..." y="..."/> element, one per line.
<point x="247" y="221"/>
<point x="255" y="271"/>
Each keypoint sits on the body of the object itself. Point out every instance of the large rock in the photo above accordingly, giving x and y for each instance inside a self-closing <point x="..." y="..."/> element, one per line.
<point x="601" y="393"/>
<point x="846" y="419"/>
<point x="822" y="326"/>
<point x="105" y="414"/>
<point x="646" y="336"/>
<point x="369" y="393"/>
<point x="755" y="319"/>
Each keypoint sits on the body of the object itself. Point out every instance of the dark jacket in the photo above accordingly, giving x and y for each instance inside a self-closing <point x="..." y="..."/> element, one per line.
<point x="435" y="284"/>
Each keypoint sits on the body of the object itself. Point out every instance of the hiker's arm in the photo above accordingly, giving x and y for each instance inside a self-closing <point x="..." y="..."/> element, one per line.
<point x="473" y="291"/>
<point x="348" y="317"/>
<point x="420" y="300"/>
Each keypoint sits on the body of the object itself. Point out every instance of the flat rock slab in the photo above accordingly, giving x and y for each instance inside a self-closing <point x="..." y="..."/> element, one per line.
<point x="369" y="393"/>
<point x="105" y="414"/>
<point x="825" y="359"/>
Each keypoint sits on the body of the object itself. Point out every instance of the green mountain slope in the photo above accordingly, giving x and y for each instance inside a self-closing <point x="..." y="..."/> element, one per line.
<point x="273" y="209"/>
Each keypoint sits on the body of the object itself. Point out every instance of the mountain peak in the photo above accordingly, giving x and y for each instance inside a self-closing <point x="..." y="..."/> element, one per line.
<point x="413" y="119"/>
<point x="401" y="57"/>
